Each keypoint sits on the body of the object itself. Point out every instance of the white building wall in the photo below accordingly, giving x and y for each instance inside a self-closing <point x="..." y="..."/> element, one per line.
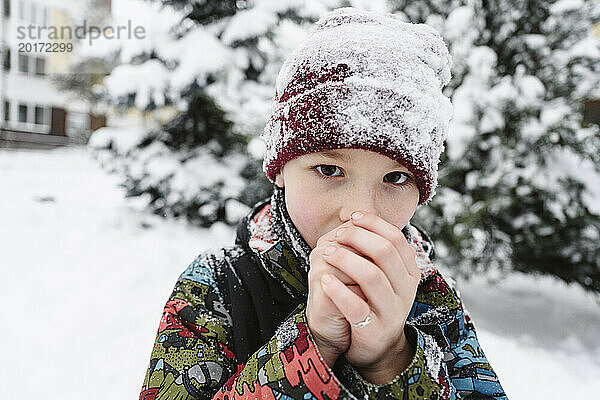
<point x="28" y="88"/>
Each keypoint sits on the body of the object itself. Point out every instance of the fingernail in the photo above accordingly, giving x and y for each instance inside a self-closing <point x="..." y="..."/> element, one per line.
<point x="356" y="215"/>
<point x="339" y="232"/>
<point x="326" y="278"/>
<point x="329" y="250"/>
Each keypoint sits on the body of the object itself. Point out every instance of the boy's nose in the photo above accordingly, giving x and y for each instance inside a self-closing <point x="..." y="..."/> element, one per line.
<point x="359" y="200"/>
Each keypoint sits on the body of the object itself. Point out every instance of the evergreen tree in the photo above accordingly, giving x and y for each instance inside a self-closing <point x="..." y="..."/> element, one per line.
<point x="516" y="180"/>
<point x="515" y="186"/>
<point x="217" y="66"/>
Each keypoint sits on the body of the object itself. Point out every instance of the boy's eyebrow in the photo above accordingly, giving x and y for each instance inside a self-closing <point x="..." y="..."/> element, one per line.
<point x="332" y="154"/>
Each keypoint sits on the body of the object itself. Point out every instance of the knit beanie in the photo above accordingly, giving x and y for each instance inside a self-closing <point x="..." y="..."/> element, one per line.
<point x="364" y="80"/>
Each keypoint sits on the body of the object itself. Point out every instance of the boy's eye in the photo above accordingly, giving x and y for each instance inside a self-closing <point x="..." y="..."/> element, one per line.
<point x="326" y="170"/>
<point x="397" y="177"/>
<point x="394" y="176"/>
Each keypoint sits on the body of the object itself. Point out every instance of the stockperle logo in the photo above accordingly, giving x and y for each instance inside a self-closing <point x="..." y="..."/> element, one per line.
<point x="91" y="33"/>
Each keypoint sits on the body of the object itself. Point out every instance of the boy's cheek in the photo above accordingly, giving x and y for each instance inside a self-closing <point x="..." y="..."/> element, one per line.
<point x="309" y="218"/>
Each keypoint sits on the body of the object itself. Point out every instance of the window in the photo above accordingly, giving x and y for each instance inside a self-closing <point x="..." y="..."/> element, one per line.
<point x="7" y="8"/>
<point x="30" y="64"/>
<point x="33" y="12"/>
<point x="39" y="115"/>
<point x="40" y="66"/>
<point x="23" y="63"/>
<point x="6" y="59"/>
<point x="77" y="122"/>
<point x="6" y="111"/>
<point x="22" y="9"/>
<point x="22" y="113"/>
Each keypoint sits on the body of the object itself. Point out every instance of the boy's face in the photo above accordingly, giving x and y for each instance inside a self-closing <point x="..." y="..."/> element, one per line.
<point x="323" y="189"/>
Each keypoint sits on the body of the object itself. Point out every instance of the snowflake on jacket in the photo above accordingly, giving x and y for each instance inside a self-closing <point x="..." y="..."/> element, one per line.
<point x="234" y="327"/>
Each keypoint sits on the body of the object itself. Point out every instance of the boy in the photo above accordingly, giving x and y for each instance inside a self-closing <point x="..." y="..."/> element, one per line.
<point x="352" y="146"/>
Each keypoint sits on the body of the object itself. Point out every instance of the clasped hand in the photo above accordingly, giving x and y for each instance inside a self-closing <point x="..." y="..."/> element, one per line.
<point x="363" y="267"/>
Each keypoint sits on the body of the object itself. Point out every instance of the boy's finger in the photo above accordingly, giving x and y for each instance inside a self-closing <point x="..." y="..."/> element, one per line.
<point x="349" y="303"/>
<point x="330" y="236"/>
<point x="380" y="252"/>
<point x="394" y="234"/>
<point x="323" y="267"/>
<point x="372" y="280"/>
<point x="356" y="289"/>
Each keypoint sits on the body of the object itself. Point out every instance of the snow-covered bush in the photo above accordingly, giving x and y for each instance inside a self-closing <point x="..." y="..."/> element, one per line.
<point x="519" y="178"/>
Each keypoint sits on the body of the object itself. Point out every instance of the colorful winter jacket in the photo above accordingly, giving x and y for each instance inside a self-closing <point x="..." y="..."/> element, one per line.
<point x="234" y="327"/>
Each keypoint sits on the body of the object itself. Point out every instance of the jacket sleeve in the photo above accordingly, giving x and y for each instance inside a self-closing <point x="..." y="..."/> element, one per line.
<point x="191" y="358"/>
<point x="449" y="363"/>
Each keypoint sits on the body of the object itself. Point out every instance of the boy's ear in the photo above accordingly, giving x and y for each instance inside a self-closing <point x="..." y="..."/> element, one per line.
<point x="279" y="181"/>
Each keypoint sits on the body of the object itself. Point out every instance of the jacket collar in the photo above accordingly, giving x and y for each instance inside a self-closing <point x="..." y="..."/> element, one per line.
<point x="269" y="233"/>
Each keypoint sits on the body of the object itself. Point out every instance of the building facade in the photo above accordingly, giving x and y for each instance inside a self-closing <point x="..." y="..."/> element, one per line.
<point x="33" y="111"/>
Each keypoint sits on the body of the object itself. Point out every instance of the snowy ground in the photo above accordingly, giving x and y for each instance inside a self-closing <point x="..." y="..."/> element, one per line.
<point x="85" y="275"/>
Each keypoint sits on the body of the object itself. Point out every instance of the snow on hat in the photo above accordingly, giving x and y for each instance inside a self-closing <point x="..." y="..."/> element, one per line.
<point x="364" y="80"/>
